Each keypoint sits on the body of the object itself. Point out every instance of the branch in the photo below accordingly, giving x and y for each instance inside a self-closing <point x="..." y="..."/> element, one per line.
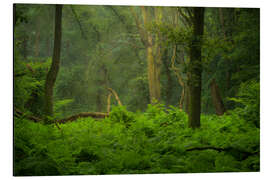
<point x="128" y="29"/>
<point x="20" y="74"/>
<point x="109" y="103"/>
<point x="246" y="154"/>
<point x="176" y="70"/>
<point x="78" y="21"/>
<point x="185" y="17"/>
<point x="19" y="113"/>
<point x="190" y="12"/>
<point x="120" y="17"/>
<point x="141" y="30"/>
<point x="116" y="96"/>
<point x="32" y="118"/>
<point x="206" y="148"/>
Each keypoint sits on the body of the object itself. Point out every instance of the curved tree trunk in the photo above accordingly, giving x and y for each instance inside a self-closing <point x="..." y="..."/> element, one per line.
<point x="52" y="74"/>
<point x="195" y="69"/>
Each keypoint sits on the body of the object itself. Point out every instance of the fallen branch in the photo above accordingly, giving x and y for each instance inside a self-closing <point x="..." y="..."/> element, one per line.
<point x="207" y="148"/>
<point x="32" y="118"/>
<point x="19" y="113"/>
<point x="233" y="151"/>
<point x="83" y="115"/>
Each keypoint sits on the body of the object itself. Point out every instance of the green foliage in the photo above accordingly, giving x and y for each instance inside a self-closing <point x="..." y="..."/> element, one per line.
<point x="120" y="114"/>
<point x="157" y="141"/>
<point x="103" y="46"/>
<point x="29" y="84"/>
<point x="249" y="98"/>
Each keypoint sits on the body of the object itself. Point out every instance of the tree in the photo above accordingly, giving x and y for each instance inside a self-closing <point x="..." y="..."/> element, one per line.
<point x="216" y="98"/>
<point x="52" y="74"/>
<point x="153" y="51"/>
<point x="195" y="69"/>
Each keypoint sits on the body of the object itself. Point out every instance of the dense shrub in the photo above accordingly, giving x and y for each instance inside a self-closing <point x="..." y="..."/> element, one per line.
<point x="157" y="141"/>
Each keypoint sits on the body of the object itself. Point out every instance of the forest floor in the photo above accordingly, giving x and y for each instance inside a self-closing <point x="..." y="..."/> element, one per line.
<point x="156" y="141"/>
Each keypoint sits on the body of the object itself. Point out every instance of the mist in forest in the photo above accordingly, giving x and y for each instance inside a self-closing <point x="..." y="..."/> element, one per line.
<point x="154" y="75"/>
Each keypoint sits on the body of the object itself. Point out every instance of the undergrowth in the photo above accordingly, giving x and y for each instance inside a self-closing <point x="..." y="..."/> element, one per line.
<point x="156" y="141"/>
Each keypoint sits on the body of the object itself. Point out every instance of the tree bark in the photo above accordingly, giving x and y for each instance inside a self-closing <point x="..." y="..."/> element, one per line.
<point x="169" y="84"/>
<point x="216" y="98"/>
<point x="195" y="69"/>
<point x="187" y="101"/>
<point x="153" y="60"/>
<point x="52" y="74"/>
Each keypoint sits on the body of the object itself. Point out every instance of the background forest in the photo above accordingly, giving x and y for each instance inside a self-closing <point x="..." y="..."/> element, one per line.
<point x="127" y="89"/>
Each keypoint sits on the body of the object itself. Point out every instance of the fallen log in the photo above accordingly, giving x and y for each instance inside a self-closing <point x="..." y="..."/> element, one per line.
<point x="83" y="115"/>
<point x="19" y="113"/>
<point x="233" y="151"/>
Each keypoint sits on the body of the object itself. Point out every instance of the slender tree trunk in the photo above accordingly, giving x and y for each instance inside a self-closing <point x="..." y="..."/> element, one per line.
<point x="99" y="103"/>
<point x="216" y="98"/>
<point x="48" y="46"/>
<point x="37" y="40"/>
<point x="25" y="53"/>
<point x="195" y="69"/>
<point x="221" y="19"/>
<point x="52" y="74"/>
<point x="169" y="84"/>
<point x="182" y="99"/>
<point x="228" y="74"/>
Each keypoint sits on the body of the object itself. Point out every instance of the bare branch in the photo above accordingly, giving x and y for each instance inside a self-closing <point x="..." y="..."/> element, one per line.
<point x="185" y="17"/>
<point x="140" y="29"/>
<point x="116" y="96"/>
<point x="78" y="21"/>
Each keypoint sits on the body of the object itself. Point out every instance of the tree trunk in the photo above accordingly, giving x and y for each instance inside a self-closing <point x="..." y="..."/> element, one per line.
<point x="228" y="73"/>
<point x="37" y="40"/>
<point x="186" y="100"/>
<point x="169" y="84"/>
<point x="52" y="74"/>
<point x="195" y="69"/>
<point x="48" y="47"/>
<point x="216" y="98"/>
<point x="25" y="53"/>
<point x="153" y="60"/>
<point x="153" y="76"/>
<point x="99" y="104"/>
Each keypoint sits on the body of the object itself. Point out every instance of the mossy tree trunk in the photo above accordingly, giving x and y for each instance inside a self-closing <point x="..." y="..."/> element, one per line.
<point x="195" y="69"/>
<point x="52" y="74"/>
<point x="153" y="50"/>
